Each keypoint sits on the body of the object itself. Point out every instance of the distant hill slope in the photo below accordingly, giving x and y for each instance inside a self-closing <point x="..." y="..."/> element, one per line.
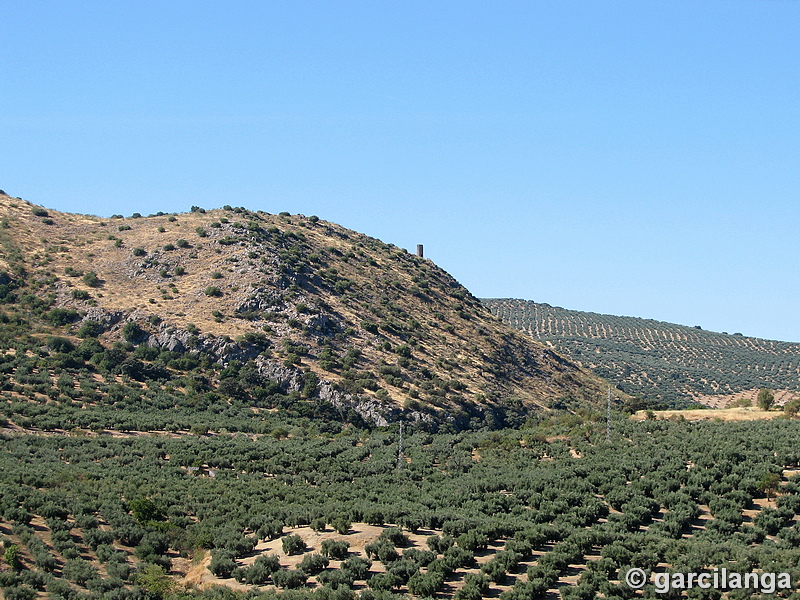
<point x="655" y="360"/>
<point x="291" y="306"/>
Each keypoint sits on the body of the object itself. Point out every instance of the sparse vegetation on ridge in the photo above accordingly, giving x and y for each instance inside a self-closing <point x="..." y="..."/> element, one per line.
<point x="375" y="324"/>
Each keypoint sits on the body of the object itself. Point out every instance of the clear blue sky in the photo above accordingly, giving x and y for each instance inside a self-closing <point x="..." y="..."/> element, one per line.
<point x="634" y="158"/>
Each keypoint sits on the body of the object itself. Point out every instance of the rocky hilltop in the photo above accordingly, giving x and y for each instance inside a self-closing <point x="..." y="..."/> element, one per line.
<point x="292" y="304"/>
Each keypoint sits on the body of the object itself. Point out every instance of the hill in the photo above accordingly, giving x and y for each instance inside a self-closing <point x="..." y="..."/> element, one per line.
<point x="674" y="364"/>
<point x="240" y="315"/>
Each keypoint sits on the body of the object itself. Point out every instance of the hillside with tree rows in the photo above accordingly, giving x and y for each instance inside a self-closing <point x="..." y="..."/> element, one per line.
<point x="672" y="364"/>
<point x="546" y="511"/>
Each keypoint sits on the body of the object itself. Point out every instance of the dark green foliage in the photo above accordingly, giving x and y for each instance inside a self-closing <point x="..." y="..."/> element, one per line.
<point x="213" y="290"/>
<point x="79" y="571"/>
<point x="336" y="549"/>
<point x="222" y="564"/>
<point x="11" y="556"/>
<point x="91" y="279"/>
<point x="341" y="525"/>
<point x="425" y="584"/>
<point x="62" y="316"/>
<point x="90" y="328"/>
<point x="313" y="563"/>
<point x="765" y="399"/>
<point x="145" y="510"/>
<point x="357" y="567"/>
<point x="132" y="332"/>
<point x="285" y="578"/>
<point x="395" y="536"/>
<point x="293" y="544"/>
<point x="261" y="570"/>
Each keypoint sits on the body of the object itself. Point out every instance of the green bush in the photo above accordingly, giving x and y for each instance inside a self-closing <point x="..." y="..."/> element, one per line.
<point x="131" y="331"/>
<point x="213" y="290"/>
<point x="313" y="563"/>
<point x="62" y="316"/>
<point x="336" y="549"/>
<point x="91" y="279"/>
<point x="90" y="328"/>
<point x="293" y="544"/>
<point x="289" y="579"/>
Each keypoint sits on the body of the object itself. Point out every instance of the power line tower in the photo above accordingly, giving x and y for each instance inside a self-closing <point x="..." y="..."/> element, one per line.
<point x="400" y="457"/>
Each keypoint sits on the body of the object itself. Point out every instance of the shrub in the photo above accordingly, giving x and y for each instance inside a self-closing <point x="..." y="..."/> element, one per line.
<point x="79" y="571"/>
<point x="313" y="563"/>
<point x="62" y="316"/>
<point x="341" y="525"/>
<point x="201" y="232"/>
<point x="384" y="581"/>
<point x="182" y="243"/>
<point x="80" y="295"/>
<point x="262" y="569"/>
<point x="336" y="549"/>
<point x="213" y="290"/>
<point x="216" y="275"/>
<point x="318" y="525"/>
<point x="395" y="536"/>
<point x="293" y="544"/>
<point x="91" y="279"/>
<point x="222" y="565"/>
<point x="169" y="247"/>
<point x="289" y="579"/>
<point x="59" y="344"/>
<point x="425" y="584"/>
<point x="131" y="331"/>
<point x="11" y="556"/>
<point x="179" y="271"/>
<point x="139" y="252"/>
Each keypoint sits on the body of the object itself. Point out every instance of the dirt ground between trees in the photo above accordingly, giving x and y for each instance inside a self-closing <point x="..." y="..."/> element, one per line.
<point x="722" y="414"/>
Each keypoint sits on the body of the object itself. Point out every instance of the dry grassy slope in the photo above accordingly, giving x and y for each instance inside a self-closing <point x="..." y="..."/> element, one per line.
<point x="295" y="278"/>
